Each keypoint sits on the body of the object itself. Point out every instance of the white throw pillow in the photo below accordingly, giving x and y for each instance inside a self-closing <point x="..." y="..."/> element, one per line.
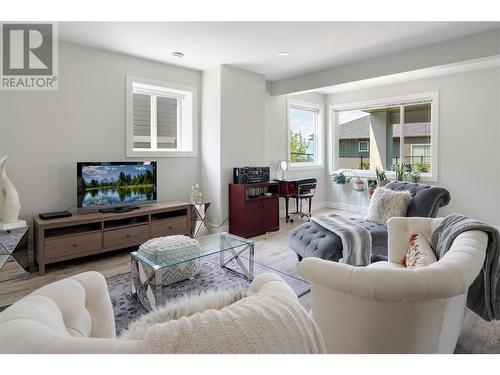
<point x="388" y="203"/>
<point x="182" y="307"/>
<point x="419" y="253"/>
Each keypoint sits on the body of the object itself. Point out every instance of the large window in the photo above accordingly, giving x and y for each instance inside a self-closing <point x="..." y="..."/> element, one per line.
<point x="304" y="135"/>
<point x="160" y="119"/>
<point x="385" y="134"/>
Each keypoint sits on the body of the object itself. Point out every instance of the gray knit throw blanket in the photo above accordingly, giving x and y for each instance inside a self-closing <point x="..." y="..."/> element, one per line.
<point x="356" y="240"/>
<point x="484" y="293"/>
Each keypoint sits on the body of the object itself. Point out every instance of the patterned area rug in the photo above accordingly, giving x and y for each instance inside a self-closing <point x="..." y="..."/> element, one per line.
<point x="211" y="276"/>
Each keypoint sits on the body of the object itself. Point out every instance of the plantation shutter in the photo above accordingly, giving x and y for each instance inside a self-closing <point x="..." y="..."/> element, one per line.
<point x="166" y="114"/>
<point x="142" y="121"/>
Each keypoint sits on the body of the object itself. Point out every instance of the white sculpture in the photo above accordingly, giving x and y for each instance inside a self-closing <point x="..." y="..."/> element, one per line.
<point x="196" y="195"/>
<point x="9" y="201"/>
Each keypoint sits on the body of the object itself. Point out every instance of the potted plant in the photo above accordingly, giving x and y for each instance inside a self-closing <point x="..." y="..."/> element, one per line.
<point x="414" y="176"/>
<point x="340" y="178"/>
<point x="381" y="177"/>
<point x="358" y="183"/>
<point x="400" y="170"/>
<point x="372" y="185"/>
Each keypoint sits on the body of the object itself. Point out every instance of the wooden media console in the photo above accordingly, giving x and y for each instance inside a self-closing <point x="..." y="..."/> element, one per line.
<point x="85" y="234"/>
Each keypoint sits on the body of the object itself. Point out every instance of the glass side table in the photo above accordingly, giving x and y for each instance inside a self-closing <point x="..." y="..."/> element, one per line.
<point x="235" y="254"/>
<point x="14" y="256"/>
<point x="199" y="218"/>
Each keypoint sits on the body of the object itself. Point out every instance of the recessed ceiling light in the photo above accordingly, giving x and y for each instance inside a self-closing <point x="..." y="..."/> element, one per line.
<point x="282" y="53"/>
<point x="177" y="55"/>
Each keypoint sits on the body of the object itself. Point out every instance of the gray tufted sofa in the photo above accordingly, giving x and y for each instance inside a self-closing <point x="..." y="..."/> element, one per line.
<point x="312" y="240"/>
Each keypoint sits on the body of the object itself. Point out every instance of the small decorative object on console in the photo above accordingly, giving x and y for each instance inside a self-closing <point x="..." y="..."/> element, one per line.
<point x="196" y="195"/>
<point x="9" y="201"/>
<point x="173" y="249"/>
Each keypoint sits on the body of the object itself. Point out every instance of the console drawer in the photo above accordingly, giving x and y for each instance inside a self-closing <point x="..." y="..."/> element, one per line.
<point x="126" y="237"/>
<point x="178" y="225"/>
<point x="72" y="245"/>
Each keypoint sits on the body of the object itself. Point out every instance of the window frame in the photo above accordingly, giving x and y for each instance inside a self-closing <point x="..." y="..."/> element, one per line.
<point x="367" y="146"/>
<point x="333" y="131"/>
<point x="187" y="133"/>
<point x="318" y="162"/>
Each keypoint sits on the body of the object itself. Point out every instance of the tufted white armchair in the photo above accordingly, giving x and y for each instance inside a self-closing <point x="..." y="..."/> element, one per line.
<point x="75" y="315"/>
<point x="386" y="308"/>
<point x="72" y="315"/>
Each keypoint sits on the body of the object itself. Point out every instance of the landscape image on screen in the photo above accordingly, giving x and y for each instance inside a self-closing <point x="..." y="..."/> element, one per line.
<point x="105" y="185"/>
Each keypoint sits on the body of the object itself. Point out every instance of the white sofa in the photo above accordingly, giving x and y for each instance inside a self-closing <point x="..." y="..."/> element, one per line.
<point x="75" y="315"/>
<point x="386" y="308"/>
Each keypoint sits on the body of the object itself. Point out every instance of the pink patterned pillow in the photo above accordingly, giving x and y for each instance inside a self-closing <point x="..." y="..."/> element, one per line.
<point x="419" y="253"/>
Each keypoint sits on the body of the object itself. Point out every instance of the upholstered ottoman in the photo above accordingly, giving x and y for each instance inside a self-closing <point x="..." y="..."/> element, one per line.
<point x="312" y="240"/>
<point x="168" y="250"/>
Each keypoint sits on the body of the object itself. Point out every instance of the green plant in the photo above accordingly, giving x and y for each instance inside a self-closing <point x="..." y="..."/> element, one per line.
<point x="340" y="178"/>
<point x="414" y="176"/>
<point x="421" y="167"/>
<point x="298" y="147"/>
<point x="364" y="165"/>
<point x="380" y="174"/>
<point x="372" y="184"/>
<point x="401" y="172"/>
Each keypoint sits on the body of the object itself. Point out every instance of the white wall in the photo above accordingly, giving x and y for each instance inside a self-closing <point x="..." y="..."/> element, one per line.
<point x="232" y="131"/>
<point x="469" y="138"/>
<point x="45" y="133"/>
<point x="211" y="142"/>
<point x="276" y="141"/>
<point x="243" y="124"/>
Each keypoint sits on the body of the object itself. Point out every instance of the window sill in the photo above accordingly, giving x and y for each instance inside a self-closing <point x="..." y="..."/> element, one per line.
<point x="390" y="175"/>
<point x="305" y="167"/>
<point x="161" y="154"/>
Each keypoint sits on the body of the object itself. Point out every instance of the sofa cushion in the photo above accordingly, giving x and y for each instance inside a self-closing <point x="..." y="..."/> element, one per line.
<point x="387" y="203"/>
<point x="419" y="253"/>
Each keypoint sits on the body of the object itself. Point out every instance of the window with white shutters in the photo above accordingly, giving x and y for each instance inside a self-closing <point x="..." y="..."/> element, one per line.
<point x="161" y="119"/>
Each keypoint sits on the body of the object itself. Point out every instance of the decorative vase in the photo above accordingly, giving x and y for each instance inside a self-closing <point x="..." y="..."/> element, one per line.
<point x="196" y="195"/>
<point x="9" y="197"/>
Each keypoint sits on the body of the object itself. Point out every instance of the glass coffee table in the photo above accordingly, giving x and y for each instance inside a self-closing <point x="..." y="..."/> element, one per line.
<point x="148" y="278"/>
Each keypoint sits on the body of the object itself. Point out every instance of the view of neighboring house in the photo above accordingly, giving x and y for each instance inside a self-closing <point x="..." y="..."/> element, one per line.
<point x="355" y="145"/>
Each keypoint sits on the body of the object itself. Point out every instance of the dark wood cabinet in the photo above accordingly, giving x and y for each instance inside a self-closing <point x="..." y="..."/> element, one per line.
<point x="253" y="209"/>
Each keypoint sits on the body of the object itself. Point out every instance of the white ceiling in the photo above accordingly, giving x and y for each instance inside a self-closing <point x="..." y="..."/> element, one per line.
<point x="253" y="45"/>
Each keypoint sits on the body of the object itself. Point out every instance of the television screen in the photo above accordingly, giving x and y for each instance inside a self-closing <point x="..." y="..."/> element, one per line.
<point x="115" y="184"/>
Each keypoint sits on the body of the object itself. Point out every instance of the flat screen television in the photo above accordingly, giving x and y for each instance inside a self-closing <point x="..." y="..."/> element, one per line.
<point x="115" y="185"/>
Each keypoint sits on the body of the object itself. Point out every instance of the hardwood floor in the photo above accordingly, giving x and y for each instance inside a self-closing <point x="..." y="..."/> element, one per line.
<point x="271" y="249"/>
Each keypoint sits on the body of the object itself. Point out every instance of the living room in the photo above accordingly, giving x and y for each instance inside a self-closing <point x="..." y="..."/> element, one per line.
<point x="331" y="184"/>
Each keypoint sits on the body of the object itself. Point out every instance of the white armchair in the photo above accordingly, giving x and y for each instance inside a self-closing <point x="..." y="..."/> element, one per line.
<point x="386" y="308"/>
<point x="75" y="315"/>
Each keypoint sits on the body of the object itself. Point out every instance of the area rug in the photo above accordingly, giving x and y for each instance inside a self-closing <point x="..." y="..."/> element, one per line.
<point x="211" y="276"/>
